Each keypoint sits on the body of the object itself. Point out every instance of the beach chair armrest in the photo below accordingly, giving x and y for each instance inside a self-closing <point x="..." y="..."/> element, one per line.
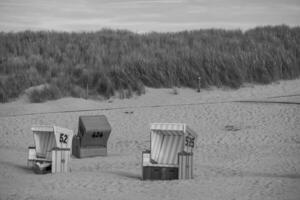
<point x="31" y="153"/>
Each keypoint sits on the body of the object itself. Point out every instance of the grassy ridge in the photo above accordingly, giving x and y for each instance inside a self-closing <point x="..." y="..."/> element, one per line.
<point x="111" y="61"/>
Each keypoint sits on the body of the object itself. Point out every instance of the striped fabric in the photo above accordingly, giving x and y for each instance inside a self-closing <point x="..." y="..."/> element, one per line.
<point x="44" y="142"/>
<point x="168" y="126"/>
<point x="167" y="140"/>
<point x="156" y="143"/>
<point x="171" y="146"/>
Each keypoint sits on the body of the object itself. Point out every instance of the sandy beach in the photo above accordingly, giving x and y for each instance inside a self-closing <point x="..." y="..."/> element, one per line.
<point x="248" y="145"/>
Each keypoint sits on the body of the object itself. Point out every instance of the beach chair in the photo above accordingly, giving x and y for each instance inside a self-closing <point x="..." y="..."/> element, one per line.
<point x="51" y="152"/>
<point x="171" y="153"/>
<point x="92" y="137"/>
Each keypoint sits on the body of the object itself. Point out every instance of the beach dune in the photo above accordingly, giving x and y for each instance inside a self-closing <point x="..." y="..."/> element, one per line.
<point x="248" y="145"/>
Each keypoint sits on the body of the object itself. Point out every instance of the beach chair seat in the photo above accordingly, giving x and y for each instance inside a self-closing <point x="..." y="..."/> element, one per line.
<point x="42" y="167"/>
<point x="39" y="165"/>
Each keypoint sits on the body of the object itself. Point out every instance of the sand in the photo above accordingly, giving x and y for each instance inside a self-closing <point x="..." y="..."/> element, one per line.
<point x="248" y="146"/>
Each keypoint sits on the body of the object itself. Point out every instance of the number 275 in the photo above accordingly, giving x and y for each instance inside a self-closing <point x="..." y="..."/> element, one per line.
<point x="189" y="141"/>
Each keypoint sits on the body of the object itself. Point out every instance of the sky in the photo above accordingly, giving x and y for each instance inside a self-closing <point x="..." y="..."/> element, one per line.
<point x="145" y="15"/>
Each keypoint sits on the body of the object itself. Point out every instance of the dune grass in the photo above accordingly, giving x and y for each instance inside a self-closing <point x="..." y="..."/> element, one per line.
<point x="117" y="61"/>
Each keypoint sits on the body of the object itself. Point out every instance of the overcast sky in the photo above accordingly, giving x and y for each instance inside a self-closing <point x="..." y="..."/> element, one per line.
<point x="145" y="15"/>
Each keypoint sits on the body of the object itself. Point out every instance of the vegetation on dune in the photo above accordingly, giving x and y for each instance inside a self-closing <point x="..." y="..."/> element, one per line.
<point x="110" y="62"/>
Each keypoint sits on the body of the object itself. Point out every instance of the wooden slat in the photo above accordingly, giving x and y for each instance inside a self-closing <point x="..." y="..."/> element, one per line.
<point x="60" y="160"/>
<point x="185" y="165"/>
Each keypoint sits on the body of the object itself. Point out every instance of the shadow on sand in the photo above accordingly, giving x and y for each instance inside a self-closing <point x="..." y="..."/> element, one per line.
<point x="18" y="167"/>
<point x="218" y="171"/>
<point x="270" y="175"/>
<point x="126" y="174"/>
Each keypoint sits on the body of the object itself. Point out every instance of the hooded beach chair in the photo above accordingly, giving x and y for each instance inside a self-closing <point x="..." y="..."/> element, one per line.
<point x="51" y="150"/>
<point x="171" y="153"/>
<point x="92" y="137"/>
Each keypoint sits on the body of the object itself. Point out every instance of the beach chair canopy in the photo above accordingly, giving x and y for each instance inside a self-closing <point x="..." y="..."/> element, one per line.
<point x="168" y="139"/>
<point x="48" y="137"/>
<point x="94" y="130"/>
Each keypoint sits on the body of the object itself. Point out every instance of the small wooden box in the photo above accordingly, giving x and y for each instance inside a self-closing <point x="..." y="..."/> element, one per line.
<point x="169" y="173"/>
<point x="151" y="173"/>
<point x="60" y="160"/>
<point x="185" y="161"/>
<point x="160" y="173"/>
<point x="146" y="157"/>
<point x="31" y="156"/>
